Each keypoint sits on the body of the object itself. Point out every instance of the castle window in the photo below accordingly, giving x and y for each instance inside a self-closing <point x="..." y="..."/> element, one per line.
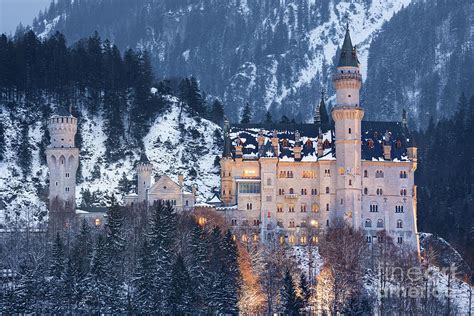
<point x="342" y="201"/>
<point x="280" y="224"/>
<point x="366" y="174"/>
<point x="303" y="192"/>
<point x="315" y="208"/>
<point x="403" y="175"/>
<point x="282" y="240"/>
<point x="291" y="224"/>
<point x="67" y="189"/>
<point x="187" y="203"/>
<point x="327" y="172"/>
<point x="399" y="224"/>
<point x="399" y="240"/>
<point x="366" y="191"/>
<point x="350" y="130"/>
<point x="314" y="239"/>
<point x="233" y="222"/>
<point x="370" y="143"/>
<point x="291" y="209"/>
<point x="249" y="206"/>
<point x="269" y="198"/>
<point x="379" y="191"/>
<point x="369" y="239"/>
<point x="368" y="223"/>
<point x="284" y="143"/>
<point x="291" y="239"/>
<point x="292" y="191"/>
<point x="279" y="209"/>
<point x="269" y="181"/>
<point x="380" y="239"/>
<point x="249" y="173"/>
<point x="256" y="222"/>
<point x="303" y="208"/>
<point x="97" y="222"/>
<point x="255" y="237"/>
<point x="303" y="224"/>
<point x="403" y="192"/>
<point x="327" y="207"/>
<point x="62" y="160"/>
<point x="244" y="238"/>
<point x="303" y="239"/>
<point x="245" y="222"/>
<point x="327" y="190"/>
<point x="202" y="221"/>
<point x="308" y="174"/>
<point x="379" y="174"/>
<point x="398" y="144"/>
<point x="250" y="188"/>
<point x="380" y="223"/>
<point x="56" y="183"/>
<point x="327" y="222"/>
<point x="309" y="144"/>
<point x="374" y="208"/>
<point x="67" y="174"/>
<point x="399" y="209"/>
<point x="314" y="192"/>
<point x="281" y="191"/>
<point x="66" y="203"/>
<point x="350" y="182"/>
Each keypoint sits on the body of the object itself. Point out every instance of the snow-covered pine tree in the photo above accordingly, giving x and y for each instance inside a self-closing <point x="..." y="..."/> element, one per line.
<point x="98" y="293"/>
<point x="232" y="274"/>
<point x="145" y="289"/>
<point x="305" y="290"/>
<point x="290" y="301"/>
<point x="246" y="114"/>
<point x="180" y="298"/>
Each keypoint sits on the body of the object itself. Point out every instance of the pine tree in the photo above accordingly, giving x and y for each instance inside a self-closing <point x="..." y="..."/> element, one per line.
<point x="284" y="120"/>
<point x="291" y="303"/>
<point x="232" y="274"/>
<point x="305" y="291"/>
<point x="199" y="266"/>
<point x="217" y="112"/>
<point x="246" y="114"/>
<point x="124" y="185"/>
<point x="144" y="280"/>
<point x="98" y="292"/>
<point x="2" y="142"/>
<point x="180" y="296"/>
<point x="57" y="273"/>
<point x="268" y="118"/>
<point x="24" y="150"/>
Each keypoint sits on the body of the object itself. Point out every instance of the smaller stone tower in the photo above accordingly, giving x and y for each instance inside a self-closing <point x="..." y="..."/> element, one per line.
<point x="63" y="161"/>
<point x="144" y="170"/>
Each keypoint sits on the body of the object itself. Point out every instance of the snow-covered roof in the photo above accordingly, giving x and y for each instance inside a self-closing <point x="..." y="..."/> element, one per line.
<point x="374" y="136"/>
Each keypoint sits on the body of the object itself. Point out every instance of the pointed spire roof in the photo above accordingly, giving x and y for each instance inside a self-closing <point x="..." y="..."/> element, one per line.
<point x="62" y="110"/>
<point x="144" y="159"/>
<point x="323" y="113"/>
<point x="348" y="55"/>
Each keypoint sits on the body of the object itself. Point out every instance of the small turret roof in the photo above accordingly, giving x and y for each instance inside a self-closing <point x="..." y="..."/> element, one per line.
<point x="348" y="55"/>
<point x="144" y="158"/>
<point x="62" y="110"/>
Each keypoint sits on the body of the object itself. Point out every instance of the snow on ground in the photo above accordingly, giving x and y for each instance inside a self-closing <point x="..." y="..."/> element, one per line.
<point x="177" y="143"/>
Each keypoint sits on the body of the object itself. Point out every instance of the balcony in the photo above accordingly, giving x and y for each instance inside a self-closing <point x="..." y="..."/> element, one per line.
<point x="291" y="196"/>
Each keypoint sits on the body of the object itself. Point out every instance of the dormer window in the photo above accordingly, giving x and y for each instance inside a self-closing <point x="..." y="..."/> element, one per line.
<point x="309" y="144"/>
<point x="284" y="143"/>
<point x="398" y="144"/>
<point x="370" y="143"/>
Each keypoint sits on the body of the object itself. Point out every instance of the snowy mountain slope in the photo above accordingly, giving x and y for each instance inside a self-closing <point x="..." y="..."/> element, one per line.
<point x="273" y="54"/>
<point x="177" y="143"/>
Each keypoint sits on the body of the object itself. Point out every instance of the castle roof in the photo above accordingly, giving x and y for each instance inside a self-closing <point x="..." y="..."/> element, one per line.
<point x="144" y="158"/>
<point x="374" y="136"/>
<point x="62" y="111"/>
<point x="348" y="54"/>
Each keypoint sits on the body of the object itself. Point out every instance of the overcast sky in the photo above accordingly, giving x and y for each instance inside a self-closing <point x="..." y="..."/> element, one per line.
<point x="12" y="12"/>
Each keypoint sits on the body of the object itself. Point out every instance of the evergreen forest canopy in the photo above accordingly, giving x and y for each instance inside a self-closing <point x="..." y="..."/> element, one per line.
<point x="95" y="79"/>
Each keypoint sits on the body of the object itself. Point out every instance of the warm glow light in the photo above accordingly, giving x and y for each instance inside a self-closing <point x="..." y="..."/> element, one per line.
<point x="97" y="222"/>
<point x="202" y="221"/>
<point x="314" y="223"/>
<point x="249" y="173"/>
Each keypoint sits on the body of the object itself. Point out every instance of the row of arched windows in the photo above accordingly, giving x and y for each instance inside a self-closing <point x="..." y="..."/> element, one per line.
<point x="380" y="223"/>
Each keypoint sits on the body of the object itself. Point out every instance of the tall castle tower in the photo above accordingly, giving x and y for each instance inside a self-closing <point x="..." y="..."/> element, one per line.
<point x="63" y="160"/>
<point x="144" y="170"/>
<point x="347" y="115"/>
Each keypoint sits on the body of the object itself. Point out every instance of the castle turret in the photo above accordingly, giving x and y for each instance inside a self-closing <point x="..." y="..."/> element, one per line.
<point x="63" y="161"/>
<point x="347" y="115"/>
<point x="144" y="170"/>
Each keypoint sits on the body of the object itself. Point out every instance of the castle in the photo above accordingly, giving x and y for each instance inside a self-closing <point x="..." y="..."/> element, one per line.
<point x="287" y="182"/>
<point x="282" y="182"/>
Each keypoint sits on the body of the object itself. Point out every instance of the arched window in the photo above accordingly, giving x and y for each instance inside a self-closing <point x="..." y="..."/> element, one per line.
<point x="291" y="224"/>
<point x="97" y="222"/>
<point x="291" y="239"/>
<point x="315" y="208"/>
<point x="399" y="224"/>
<point x="314" y="191"/>
<point x="380" y="223"/>
<point x="244" y="238"/>
<point x="366" y="174"/>
<point x="327" y="190"/>
<point x="399" y="209"/>
<point x="350" y="130"/>
<point x="292" y="191"/>
<point x="303" y="239"/>
<point x="374" y="208"/>
<point x="366" y="191"/>
<point x="279" y="209"/>
<point x="368" y="223"/>
<point x="370" y="143"/>
<point x="309" y="144"/>
<point x="403" y="192"/>
<point x="233" y="222"/>
<point x="291" y="209"/>
<point x="379" y="191"/>
<point x="303" y="208"/>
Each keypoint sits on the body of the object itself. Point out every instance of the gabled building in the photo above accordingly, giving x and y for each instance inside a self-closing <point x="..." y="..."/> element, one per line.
<point x="288" y="182"/>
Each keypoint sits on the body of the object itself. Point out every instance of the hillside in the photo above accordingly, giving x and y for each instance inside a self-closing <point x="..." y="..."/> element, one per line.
<point x="278" y="55"/>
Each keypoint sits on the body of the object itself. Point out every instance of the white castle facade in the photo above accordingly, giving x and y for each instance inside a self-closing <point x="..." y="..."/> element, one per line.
<point x="288" y="182"/>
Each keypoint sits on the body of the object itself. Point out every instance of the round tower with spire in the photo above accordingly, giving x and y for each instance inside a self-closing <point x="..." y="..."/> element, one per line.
<point x="144" y="170"/>
<point x="347" y="115"/>
<point x="227" y="190"/>
<point x="63" y="161"/>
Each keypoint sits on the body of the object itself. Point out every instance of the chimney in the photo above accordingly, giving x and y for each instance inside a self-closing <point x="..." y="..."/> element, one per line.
<point x="320" y="144"/>
<point x="180" y="180"/>
<point x="297" y="148"/>
<point x="261" y="142"/>
<point x="387" y="148"/>
<point x="238" y="148"/>
<point x="275" y="143"/>
<point x="157" y="177"/>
